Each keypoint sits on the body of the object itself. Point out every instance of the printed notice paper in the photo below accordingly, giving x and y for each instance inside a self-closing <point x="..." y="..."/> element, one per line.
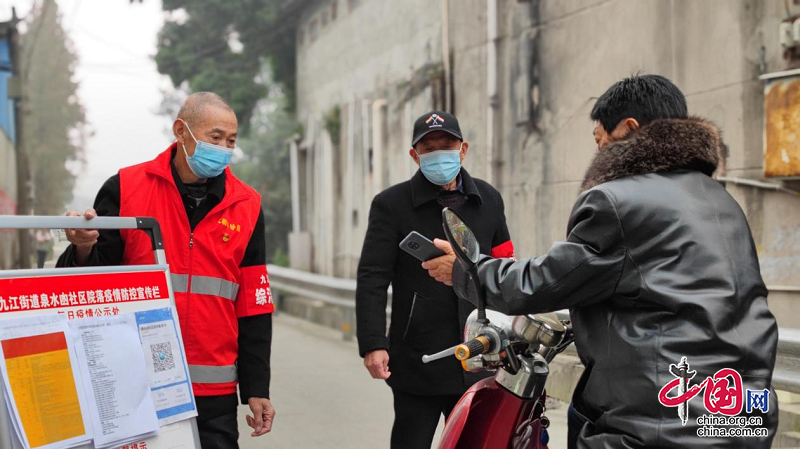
<point x="42" y="386"/>
<point x="113" y="365"/>
<point x="166" y="367"/>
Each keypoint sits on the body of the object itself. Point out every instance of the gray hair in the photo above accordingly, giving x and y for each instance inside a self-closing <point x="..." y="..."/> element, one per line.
<point x="196" y="104"/>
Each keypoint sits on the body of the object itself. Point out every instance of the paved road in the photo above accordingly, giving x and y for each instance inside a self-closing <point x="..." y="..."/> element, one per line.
<point x="326" y="399"/>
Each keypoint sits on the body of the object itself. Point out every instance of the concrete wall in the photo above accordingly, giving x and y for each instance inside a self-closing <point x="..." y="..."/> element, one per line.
<point x="365" y="51"/>
<point x="372" y="53"/>
<point x="553" y="59"/>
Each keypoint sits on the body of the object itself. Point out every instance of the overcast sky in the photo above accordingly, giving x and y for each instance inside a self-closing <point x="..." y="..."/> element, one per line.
<point x="120" y="87"/>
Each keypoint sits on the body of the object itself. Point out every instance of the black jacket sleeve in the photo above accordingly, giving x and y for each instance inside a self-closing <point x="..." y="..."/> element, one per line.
<point x="582" y="270"/>
<point x="255" y="332"/>
<point x="109" y="247"/>
<point x="375" y="274"/>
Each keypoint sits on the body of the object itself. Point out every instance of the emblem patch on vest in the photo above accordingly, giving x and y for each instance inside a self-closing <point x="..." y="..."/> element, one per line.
<point x="228" y="225"/>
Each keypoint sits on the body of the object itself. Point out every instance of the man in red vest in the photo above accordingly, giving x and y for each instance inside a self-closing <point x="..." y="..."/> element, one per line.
<point x="213" y="229"/>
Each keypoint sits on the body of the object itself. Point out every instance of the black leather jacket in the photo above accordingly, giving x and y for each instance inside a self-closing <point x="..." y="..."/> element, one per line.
<point x="659" y="264"/>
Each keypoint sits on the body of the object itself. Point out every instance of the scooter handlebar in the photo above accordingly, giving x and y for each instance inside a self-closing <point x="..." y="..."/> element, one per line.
<point x="477" y="346"/>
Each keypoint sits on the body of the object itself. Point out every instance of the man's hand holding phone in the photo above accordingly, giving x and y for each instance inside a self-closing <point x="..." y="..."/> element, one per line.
<point x="441" y="268"/>
<point x="437" y="257"/>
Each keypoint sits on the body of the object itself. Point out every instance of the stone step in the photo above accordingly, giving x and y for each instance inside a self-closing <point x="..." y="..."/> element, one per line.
<point x="785" y="397"/>
<point x="312" y="310"/>
<point x="789" y="418"/>
<point x="565" y="370"/>
<point x="786" y="440"/>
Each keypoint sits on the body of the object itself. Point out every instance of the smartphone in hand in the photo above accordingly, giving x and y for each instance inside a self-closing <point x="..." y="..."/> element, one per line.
<point x="420" y="247"/>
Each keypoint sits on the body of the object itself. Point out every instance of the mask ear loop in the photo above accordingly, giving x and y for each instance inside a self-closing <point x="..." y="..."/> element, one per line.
<point x="191" y="134"/>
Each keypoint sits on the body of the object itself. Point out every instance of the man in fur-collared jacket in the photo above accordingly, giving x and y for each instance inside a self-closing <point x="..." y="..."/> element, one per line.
<point x="662" y="280"/>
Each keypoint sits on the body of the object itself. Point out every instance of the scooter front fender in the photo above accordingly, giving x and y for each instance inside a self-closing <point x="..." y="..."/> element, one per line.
<point x="489" y="417"/>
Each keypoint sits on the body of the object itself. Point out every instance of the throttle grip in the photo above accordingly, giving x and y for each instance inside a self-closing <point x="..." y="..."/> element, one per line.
<point x="476" y="346"/>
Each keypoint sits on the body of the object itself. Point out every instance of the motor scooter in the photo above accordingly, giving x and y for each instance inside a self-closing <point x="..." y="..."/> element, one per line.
<point x="508" y="409"/>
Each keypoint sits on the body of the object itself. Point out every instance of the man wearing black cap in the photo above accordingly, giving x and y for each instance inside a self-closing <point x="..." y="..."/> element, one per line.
<point x="426" y="315"/>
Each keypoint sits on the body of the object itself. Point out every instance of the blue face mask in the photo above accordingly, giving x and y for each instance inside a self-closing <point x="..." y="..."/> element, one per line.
<point x="208" y="160"/>
<point x="440" y="167"/>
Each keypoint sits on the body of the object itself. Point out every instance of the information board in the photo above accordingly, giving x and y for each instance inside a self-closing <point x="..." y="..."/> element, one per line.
<point x="86" y="293"/>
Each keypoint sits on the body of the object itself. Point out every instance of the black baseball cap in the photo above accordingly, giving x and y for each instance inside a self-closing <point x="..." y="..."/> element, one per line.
<point x="435" y="121"/>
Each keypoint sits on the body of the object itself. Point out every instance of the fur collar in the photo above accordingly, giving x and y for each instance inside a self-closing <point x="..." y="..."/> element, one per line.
<point x="662" y="145"/>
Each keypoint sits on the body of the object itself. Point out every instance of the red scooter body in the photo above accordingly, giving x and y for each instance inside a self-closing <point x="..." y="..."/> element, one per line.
<point x="492" y="414"/>
<point x="489" y="417"/>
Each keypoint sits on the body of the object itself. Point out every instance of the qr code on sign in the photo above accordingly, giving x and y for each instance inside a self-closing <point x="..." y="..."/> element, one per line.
<point x="162" y="357"/>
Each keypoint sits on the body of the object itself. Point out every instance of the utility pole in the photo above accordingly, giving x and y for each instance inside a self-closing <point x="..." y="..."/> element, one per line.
<point x="448" y="90"/>
<point x="15" y="92"/>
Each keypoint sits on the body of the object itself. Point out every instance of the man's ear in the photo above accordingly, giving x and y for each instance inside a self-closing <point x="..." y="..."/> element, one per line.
<point x="178" y="128"/>
<point x="631" y="124"/>
<point x="464" y="149"/>
<point x="624" y="128"/>
<point x="413" y="153"/>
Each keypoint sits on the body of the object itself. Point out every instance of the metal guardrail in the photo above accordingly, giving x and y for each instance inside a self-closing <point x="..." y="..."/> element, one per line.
<point x="330" y="290"/>
<point x="341" y="292"/>
<point x="787" y="365"/>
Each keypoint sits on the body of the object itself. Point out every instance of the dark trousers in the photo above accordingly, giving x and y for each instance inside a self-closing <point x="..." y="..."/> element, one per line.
<point x="575" y="422"/>
<point x="41" y="257"/>
<point x="416" y="418"/>
<point x="217" y="421"/>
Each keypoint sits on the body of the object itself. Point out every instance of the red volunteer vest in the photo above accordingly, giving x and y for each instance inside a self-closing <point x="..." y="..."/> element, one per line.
<point x="211" y="291"/>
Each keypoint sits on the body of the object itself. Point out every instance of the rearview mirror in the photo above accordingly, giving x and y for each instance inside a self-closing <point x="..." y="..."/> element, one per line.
<point x="461" y="238"/>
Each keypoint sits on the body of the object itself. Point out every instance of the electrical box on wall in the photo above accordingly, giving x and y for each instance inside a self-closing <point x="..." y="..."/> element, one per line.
<point x="782" y="124"/>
